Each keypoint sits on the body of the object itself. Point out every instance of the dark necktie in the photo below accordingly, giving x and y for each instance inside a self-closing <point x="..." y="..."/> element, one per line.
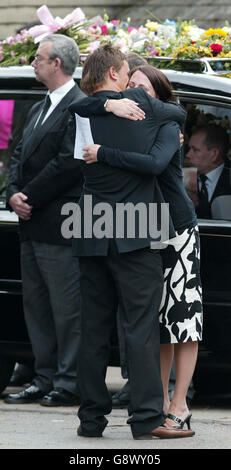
<point x="203" y="208"/>
<point x="37" y="125"/>
<point x="45" y="108"/>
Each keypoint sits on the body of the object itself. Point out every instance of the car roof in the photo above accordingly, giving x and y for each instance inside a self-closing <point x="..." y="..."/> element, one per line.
<point x="186" y="81"/>
<point x="214" y="84"/>
<point x="27" y="71"/>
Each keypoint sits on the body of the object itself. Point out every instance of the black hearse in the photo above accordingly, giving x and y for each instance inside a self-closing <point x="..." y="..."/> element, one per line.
<point x="205" y="91"/>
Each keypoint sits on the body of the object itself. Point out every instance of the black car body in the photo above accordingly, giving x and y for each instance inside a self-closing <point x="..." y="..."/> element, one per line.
<point x="202" y="94"/>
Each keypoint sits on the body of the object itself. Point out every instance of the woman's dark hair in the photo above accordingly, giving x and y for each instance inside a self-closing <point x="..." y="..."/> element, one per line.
<point x="159" y="81"/>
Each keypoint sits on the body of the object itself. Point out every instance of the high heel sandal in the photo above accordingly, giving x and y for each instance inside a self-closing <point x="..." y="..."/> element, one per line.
<point x="180" y="423"/>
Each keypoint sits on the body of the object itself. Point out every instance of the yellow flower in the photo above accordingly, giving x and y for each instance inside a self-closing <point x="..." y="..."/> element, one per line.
<point x="223" y="54"/>
<point x="217" y="31"/>
<point x="152" y="25"/>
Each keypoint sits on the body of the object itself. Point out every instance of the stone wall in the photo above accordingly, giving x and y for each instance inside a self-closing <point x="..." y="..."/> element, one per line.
<point x="16" y="13"/>
<point x="207" y="13"/>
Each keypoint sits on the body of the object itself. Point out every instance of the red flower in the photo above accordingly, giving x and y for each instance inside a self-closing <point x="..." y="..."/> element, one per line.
<point x="216" y="48"/>
<point x="104" y="29"/>
<point x="193" y="42"/>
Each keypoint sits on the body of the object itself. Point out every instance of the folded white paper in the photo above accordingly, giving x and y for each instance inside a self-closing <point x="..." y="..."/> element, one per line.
<point x="83" y="136"/>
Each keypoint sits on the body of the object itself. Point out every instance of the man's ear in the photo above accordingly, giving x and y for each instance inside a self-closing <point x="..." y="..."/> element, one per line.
<point x="215" y="153"/>
<point x="112" y="73"/>
<point x="57" y="63"/>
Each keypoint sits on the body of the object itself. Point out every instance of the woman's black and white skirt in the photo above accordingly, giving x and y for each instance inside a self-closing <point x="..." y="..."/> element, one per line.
<point x="181" y="313"/>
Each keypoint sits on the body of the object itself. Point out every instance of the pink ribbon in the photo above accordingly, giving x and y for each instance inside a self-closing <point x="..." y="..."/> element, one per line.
<point x="51" y="24"/>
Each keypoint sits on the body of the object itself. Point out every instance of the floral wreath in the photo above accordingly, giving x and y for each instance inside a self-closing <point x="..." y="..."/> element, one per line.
<point x="174" y="40"/>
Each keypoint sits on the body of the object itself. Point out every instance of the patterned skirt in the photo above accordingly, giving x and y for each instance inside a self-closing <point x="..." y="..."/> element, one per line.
<point x="181" y="313"/>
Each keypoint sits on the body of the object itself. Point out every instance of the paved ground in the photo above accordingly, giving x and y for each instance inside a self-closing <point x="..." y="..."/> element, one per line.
<point x="36" y="427"/>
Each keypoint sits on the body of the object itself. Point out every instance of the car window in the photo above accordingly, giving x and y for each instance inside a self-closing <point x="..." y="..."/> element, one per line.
<point x="200" y="114"/>
<point x="14" y="110"/>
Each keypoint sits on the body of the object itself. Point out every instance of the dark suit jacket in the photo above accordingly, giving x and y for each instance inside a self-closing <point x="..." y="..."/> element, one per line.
<point x="165" y="162"/>
<point x="114" y="185"/>
<point x="223" y="186"/>
<point x="43" y="168"/>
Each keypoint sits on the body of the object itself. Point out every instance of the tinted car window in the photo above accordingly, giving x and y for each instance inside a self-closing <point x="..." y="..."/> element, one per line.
<point x="202" y="113"/>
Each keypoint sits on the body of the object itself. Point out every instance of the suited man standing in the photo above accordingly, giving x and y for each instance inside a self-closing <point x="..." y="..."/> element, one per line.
<point x="43" y="176"/>
<point x="120" y="269"/>
<point x="208" y="147"/>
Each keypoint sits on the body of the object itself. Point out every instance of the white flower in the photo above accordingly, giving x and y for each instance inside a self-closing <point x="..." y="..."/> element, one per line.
<point x="195" y="33"/>
<point x="168" y="32"/>
<point x="121" y="43"/>
<point x="228" y="30"/>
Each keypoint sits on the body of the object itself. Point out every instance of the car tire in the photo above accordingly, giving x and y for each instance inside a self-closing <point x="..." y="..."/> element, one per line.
<point x="6" y="370"/>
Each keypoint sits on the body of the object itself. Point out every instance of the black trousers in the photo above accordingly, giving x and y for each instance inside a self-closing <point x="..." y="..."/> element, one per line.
<point x="135" y="281"/>
<point x="51" y="300"/>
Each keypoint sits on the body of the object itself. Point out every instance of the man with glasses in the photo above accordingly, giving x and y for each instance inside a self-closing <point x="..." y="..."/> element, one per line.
<point x="49" y="273"/>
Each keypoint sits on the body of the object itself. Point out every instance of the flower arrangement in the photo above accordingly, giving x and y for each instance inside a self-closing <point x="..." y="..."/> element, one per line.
<point x="182" y="39"/>
<point x="210" y="43"/>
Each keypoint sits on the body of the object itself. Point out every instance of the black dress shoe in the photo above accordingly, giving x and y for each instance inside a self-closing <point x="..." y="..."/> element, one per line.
<point x="22" y="375"/>
<point x="81" y="433"/>
<point x="59" y="397"/>
<point x="31" y="394"/>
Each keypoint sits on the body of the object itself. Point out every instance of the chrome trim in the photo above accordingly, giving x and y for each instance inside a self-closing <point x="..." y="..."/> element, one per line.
<point x="216" y="304"/>
<point x="202" y="96"/>
<point x="23" y="92"/>
<point x="207" y="223"/>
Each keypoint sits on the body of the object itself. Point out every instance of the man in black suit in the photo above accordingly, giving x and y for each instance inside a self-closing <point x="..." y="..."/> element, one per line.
<point x="43" y="177"/>
<point x="208" y="147"/>
<point x="119" y="269"/>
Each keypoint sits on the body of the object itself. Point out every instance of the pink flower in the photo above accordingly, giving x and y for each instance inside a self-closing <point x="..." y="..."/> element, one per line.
<point x="216" y="48"/>
<point x="104" y="29"/>
<point x="115" y="22"/>
<point x="23" y="60"/>
<point x="10" y="40"/>
<point x="93" y="46"/>
<point x="130" y="28"/>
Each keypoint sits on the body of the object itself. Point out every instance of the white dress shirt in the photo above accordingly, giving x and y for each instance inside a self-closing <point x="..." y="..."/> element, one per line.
<point x="56" y="96"/>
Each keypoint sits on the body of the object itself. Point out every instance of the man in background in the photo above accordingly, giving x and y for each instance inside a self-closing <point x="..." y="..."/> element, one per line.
<point x="44" y="176"/>
<point x="208" y="147"/>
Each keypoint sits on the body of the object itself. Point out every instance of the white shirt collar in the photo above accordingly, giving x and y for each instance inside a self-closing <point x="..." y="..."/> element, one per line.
<point x="60" y="92"/>
<point x="214" y="174"/>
